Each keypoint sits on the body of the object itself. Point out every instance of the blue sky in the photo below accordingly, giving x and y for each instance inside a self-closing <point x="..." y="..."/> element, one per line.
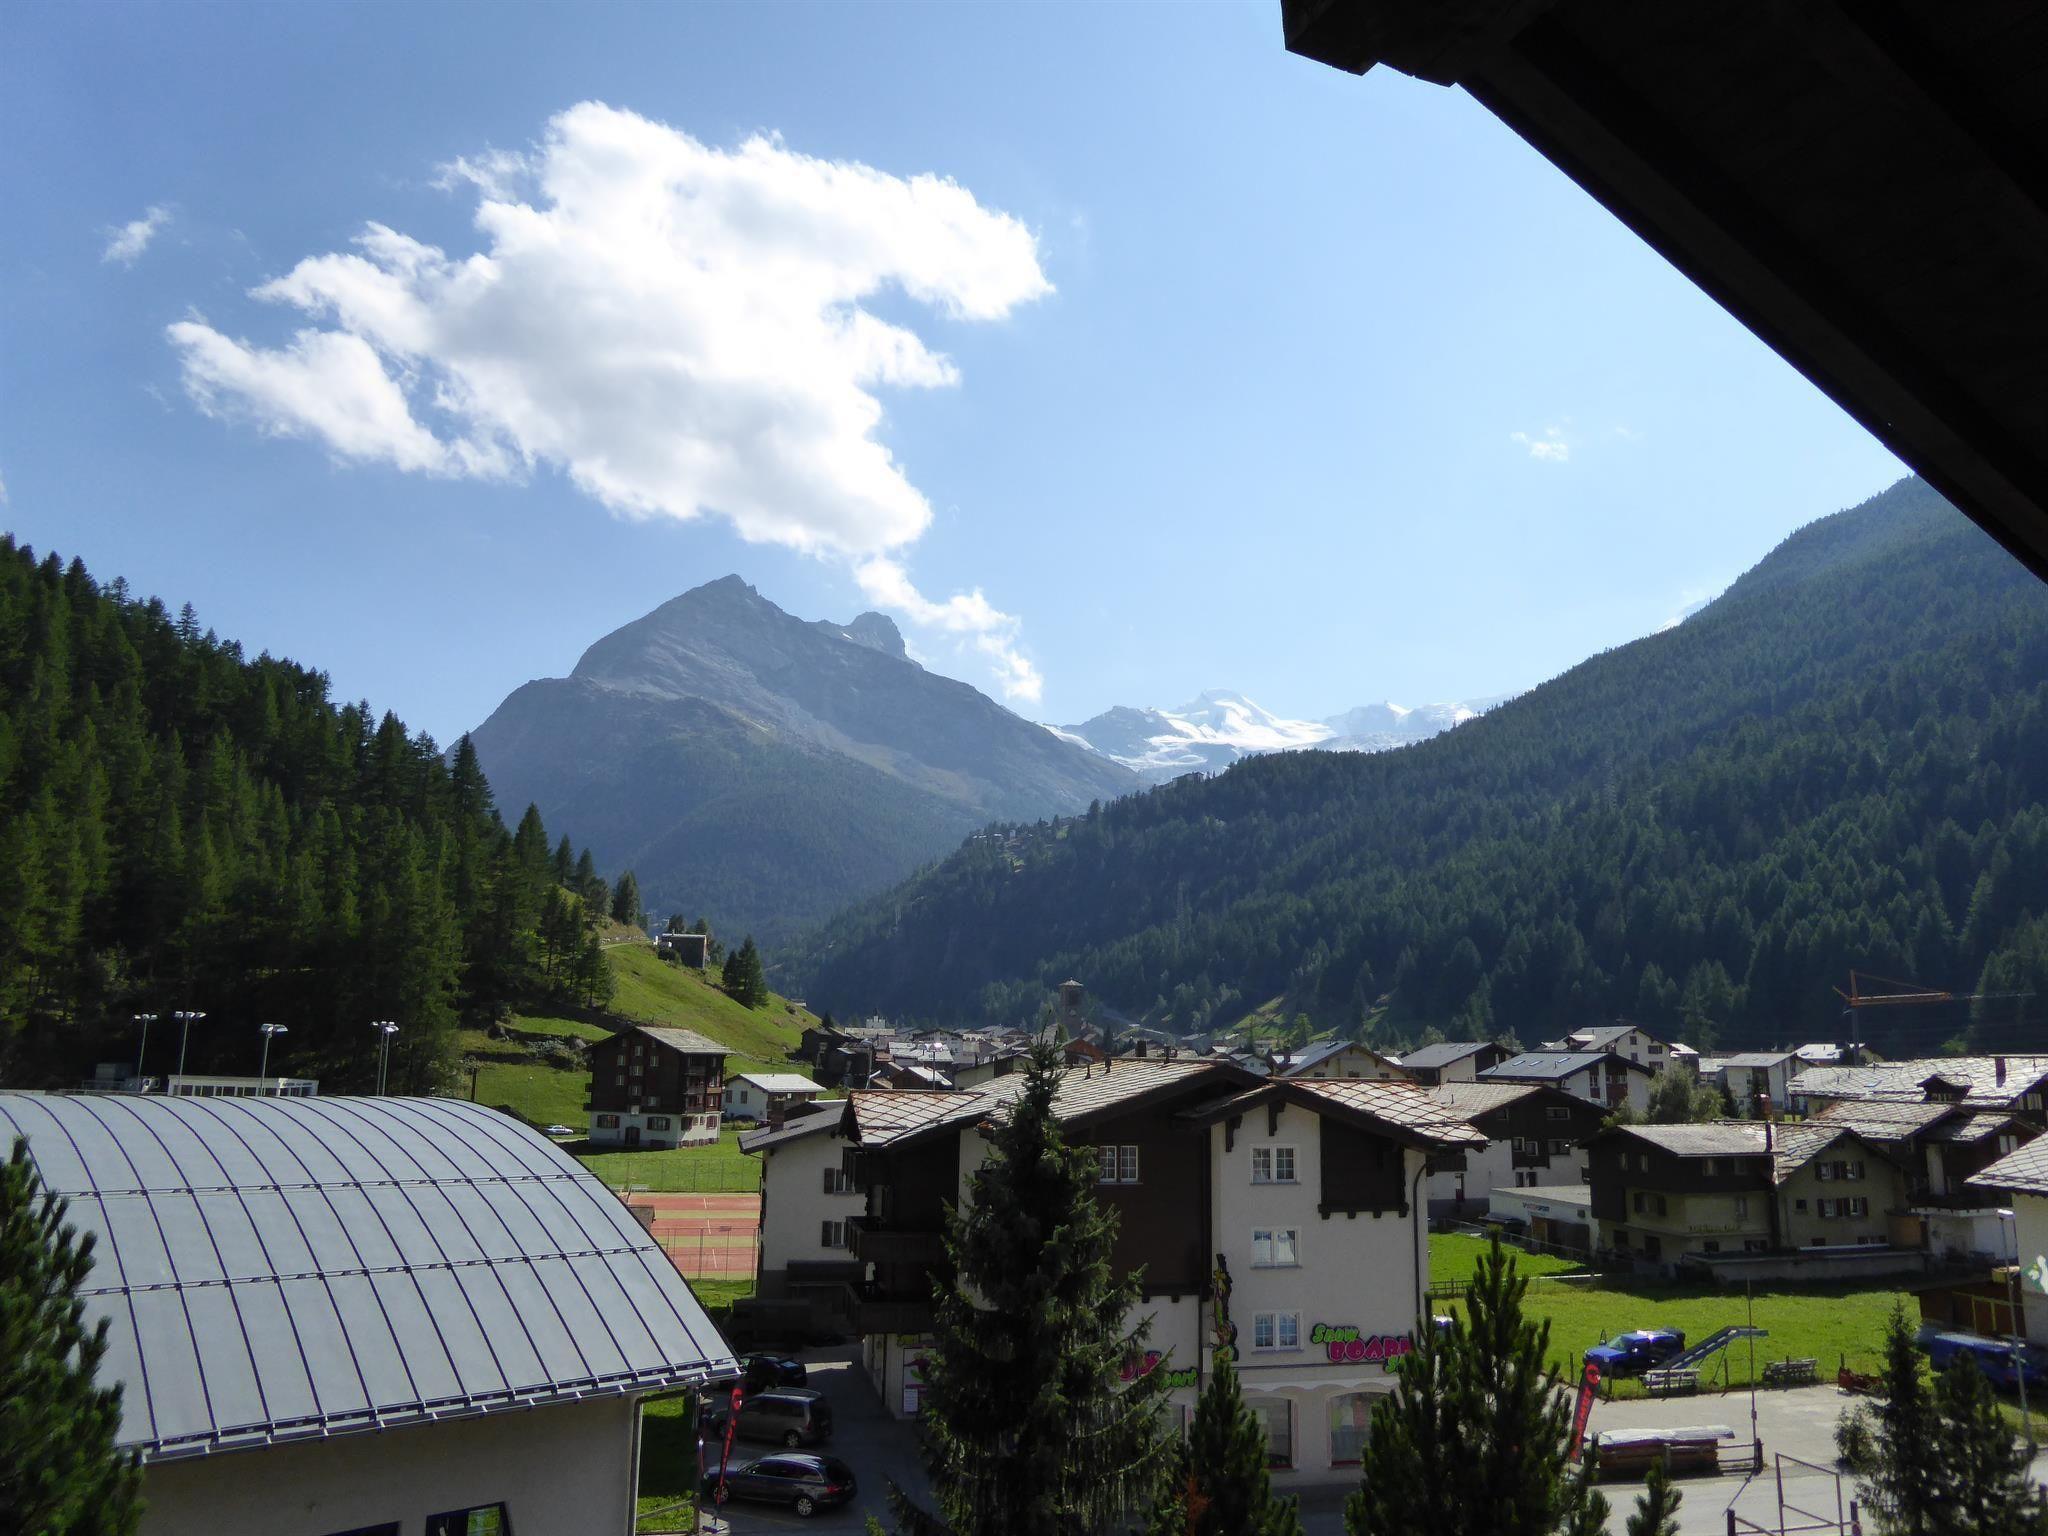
<point x="1211" y="367"/>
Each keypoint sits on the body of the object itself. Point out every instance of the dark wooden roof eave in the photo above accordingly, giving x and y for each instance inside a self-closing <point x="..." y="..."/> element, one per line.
<point x="1939" y="396"/>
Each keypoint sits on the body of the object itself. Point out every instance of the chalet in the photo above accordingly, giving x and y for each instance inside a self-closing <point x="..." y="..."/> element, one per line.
<point x="1336" y="1059"/>
<point x="1939" y="1148"/>
<point x="1598" y="1077"/>
<point x="1303" y="1190"/>
<point x="1624" y="1039"/>
<point x="807" y="1207"/>
<point x="654" y="1087"/>
<point x="1749" y="1076"/>
<point x="365" y="1314"/>
<point x="1535" y="1135"/>
<point x="768" y="1096"/>
<point x="1452" y="1061"/>
<point x="2021" y="1177"/>
<point x="2018" y="1084"/>
<point x="1667" y="1193"/>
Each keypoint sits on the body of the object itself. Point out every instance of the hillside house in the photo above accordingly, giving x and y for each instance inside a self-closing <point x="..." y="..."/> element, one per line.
<point x="1940" y="1148"/>
<point x="1670" y="1193"/>
<point x="691" y="949"/>
<point x="1605" y="1078"/>
<point x="2017" y="1084"/>
<point x="365" y="1315"/>
<point x="768" y="1096"/>
<point x="1303" y="1189"/>
<point x="1749" y="1076"/>
<point x="654" y="1087"/>
<point x="1339" y="1059"/>
<point x="1451" y="1061"/>
<point x="1624" y="1039"/>
<point x="1535" y="1135"/>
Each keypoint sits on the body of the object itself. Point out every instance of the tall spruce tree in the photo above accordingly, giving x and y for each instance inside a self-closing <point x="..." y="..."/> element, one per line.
<point x="1895" y="1445"/>
<point x="626" y="901"/>
<point x="743" y="976"/>
<point x="1029" y="1428"/>
<point x="1990" y="1492"/>
<point x="1476" y="1440"/>
<point x="1216" y="1482"/>
<point x="60" y="1474"/>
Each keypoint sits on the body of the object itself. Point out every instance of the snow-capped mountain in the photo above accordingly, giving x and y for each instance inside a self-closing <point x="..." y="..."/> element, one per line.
<point x="1219" y="727"/>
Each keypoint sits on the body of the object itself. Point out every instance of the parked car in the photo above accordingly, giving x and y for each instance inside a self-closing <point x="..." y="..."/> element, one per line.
<point x="760" y="1373"/>
<point x="805" y="1483"/>
<point x="563" y="1130"/>
<point x="789" y="1416"/>
<point x="1631" y="1354"/>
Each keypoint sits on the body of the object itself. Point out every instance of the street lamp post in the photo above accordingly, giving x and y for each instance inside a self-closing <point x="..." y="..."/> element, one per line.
<point x="2019" y="1346"/>
<point x="187" y="1019"/>
<point x="385" y="1030"/>
<point x="145" y="1020"/>
<point x="263" y="1071"/>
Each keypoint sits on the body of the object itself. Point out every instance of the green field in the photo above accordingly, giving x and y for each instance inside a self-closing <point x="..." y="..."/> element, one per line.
<point x="652" y="991"/>
<point x="1454" y="1255"/>
<point x="720" y="1166"/>
<point x="1826" y="1323"/>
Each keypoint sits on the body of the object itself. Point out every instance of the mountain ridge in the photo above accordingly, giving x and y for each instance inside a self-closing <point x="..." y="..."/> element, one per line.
<point x="762" y="769"/>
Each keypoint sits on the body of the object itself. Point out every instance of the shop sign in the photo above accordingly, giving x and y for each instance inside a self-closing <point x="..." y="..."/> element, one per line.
<point x="1345" y="1344"/>
<point x="1149" y="1362"/>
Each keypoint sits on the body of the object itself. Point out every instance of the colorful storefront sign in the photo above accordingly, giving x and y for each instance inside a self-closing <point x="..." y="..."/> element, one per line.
<point x="1345" y="1344"/>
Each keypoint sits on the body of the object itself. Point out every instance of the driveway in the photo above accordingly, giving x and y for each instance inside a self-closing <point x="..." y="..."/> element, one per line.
<point x="877" y="1447"/>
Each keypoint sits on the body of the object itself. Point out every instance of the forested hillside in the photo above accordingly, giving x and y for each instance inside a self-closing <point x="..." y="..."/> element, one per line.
<point x="184" y="828"/>
<point x="1841" y="762"/>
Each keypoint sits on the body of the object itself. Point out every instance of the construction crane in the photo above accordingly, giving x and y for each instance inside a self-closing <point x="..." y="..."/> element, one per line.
<point x="1910" y="994"/>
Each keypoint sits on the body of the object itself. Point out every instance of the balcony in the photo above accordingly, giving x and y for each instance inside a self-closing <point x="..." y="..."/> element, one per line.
<point x="873" y="1312"/>
<point x="873" y="1242"/>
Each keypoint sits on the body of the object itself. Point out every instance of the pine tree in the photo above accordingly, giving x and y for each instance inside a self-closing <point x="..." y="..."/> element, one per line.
<point x="1990" y="1492"/>
<point x="1216" y="1482"/>
<point x="742" y="975"/>
<point x="59" y="1471"/>
<point x="1028" y="1428"/>
<point x="1478" y="1433"/>
<point x="1657" y="1507"/>
<point x="1895" y="1446"/>
<point x="626" y="901"/>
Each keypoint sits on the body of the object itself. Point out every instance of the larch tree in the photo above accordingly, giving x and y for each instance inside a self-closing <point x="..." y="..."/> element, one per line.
<point x="60" y="1473"/>
<point x="1030" y="1427"/>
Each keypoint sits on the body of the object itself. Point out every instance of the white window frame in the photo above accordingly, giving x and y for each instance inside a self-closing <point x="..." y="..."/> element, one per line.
<point x="1116" y="1164"/>
<point x="1273" y="1242"/>
<point x="1277" y="1327"/>
<point x="831" y="1233"/>
<point x="1281" y="1163"/>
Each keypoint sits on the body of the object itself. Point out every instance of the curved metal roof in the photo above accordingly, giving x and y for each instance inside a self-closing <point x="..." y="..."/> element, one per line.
<point x="278" y="1268"/>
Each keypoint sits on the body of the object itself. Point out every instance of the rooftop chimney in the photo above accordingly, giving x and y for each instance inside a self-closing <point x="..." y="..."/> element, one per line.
<point x="1999" y="1063"/>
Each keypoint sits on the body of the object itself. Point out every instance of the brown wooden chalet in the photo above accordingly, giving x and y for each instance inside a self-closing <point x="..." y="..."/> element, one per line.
<point x="1864" y="186"/>
<point x="1544" y="1129"/>
<point x="655" y="1087"/>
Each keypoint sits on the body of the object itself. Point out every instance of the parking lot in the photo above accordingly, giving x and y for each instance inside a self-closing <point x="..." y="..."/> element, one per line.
<point x="1799" y="1423"/>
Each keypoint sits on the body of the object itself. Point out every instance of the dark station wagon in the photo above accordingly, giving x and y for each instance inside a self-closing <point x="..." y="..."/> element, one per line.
<point x="805" y="1483"/>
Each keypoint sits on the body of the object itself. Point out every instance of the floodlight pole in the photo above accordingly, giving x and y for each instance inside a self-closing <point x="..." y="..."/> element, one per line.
<point x="186" y="1018"/>
<point x="263" y="1071"/>
<point x="2019" y="1344"/>
<point x="145" y="1020"/>
<point x="385" y="1028"/>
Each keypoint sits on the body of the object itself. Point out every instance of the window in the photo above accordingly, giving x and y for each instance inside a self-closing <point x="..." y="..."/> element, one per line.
<point x="1710" y="1246"/>
<point x="1855" y="1168"/>
<point x="1557" y="1112"/>
<point x="1642" y="1202"/>
<point x="1117" y="1165"/>
<point x="482" y="1520"/>
<point x="636" y="1069"/>
<point x="831" y="1234"/>
<point x="1277" y="1416"/>
<point x="1798" y="1205"/>
<point x="837" y="1183"/>
<point x="1829" y="1208"/>
<point x="657" y="1122"/>
<point x="1350" y="1418"/>
<point x="1273" y="1165"/>
<point x="1707" y="1168"/>
<point x="1560" y="1147"/>
<point x="607" y="1122"/>
<point x="1742" y="1207"/>
<point x="1274" y="1247"/>
<point x="1276" y="1330"/>
<point x="1859" y="1206"/>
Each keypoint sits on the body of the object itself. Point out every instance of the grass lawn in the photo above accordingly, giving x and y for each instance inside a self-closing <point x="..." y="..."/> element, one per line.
<point x="1816" y="1322"/>
<point x="1454" y="1255"/>
<point x="507" y="1077"/>
<point x="719" y="1165"/>
<point x="651" y="991"/>
<point x="668" y="1462"/>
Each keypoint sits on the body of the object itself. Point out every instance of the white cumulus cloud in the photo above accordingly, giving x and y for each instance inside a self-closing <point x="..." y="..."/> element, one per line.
<point x="126" y="244"/>
<point x="679" y="329"/>
<point x="1549" y="445"/>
